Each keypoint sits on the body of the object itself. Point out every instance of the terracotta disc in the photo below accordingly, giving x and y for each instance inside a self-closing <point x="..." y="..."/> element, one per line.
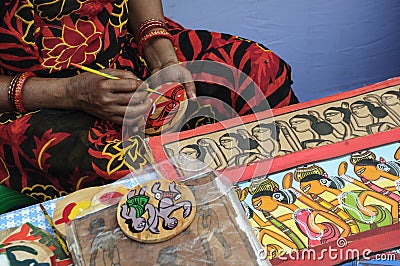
<point x="167" y="110"/>
<point x="28" y="252"/>
<point x="156" y="211"/>
<point x="31" y="233"/>
<point x="72" y="205"/>
<point x="109" y="195"/>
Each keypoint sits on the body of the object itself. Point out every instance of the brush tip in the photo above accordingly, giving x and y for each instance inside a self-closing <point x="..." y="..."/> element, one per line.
<point x="76" y="65"/>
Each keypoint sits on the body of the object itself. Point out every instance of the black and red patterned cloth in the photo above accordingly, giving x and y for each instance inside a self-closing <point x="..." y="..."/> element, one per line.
<point x="49" y="153"/>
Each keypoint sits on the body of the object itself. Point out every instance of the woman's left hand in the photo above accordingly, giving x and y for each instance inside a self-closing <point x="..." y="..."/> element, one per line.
<point x="175" y="72"/>
<point x="163" y="62"/>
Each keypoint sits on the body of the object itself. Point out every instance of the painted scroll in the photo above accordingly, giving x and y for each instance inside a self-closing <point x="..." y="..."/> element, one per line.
<point x="347" y="192"/>
<point x="241" y="141"/>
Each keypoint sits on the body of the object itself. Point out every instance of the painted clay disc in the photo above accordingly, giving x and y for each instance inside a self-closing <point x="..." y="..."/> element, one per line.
<point x="110" y="195"/>
<point x="31" y="233"/>
<point x="27" y="253"/>
<point x="167" y="110"/>
<point x="156" y="211"/>
<point x="72" y="205"/>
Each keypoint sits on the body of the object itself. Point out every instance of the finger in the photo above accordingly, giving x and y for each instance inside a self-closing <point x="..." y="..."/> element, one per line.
<point x="132" y="130"/>
<point x="187" y="81"/>
<point x="133" y="121"/>
<point x="139" y="97"/>
<point x="190" y="90"/>
<point x="116" y="119"/>
<point x="139" y="109"/>
<point x="122" y="74"/>
<point x="122" y="85"/>
<point x="131" y="111"/>
<point x="129" y="98"/>
<point x="127" y="80"/>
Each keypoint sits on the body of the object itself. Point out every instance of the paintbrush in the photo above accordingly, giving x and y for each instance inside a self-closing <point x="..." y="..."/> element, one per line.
<point x="94" y="71"/>
<point x="105" y="75"/>
<point x="157" y="92"/>
<point x="59" y="238"/>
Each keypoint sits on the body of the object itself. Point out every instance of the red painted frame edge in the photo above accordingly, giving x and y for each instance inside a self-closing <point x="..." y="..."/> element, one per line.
<point x="313" y="155"/>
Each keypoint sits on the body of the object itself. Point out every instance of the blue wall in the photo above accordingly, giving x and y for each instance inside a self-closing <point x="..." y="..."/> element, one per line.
<point x="332" y="46"/>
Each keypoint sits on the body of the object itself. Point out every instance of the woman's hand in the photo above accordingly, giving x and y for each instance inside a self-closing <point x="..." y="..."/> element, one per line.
<point x="159" y="53"/>
<point x="110" y="99"/>
<point x="174" y="72"/>
<point x="163" y="62"/>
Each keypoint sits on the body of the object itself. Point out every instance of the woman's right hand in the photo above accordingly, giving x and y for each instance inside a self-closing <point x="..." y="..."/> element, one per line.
<point x="110" y="99"/>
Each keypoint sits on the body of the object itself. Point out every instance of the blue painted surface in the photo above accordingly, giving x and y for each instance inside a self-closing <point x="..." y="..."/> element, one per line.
<point x="332" y="46"/>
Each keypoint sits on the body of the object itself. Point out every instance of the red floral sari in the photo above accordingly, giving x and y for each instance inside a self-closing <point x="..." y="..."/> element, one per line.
<point x="48" y="153"/>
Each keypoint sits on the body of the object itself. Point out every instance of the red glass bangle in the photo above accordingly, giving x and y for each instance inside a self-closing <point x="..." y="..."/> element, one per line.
<point x="11" y="91"/>
<point x="153" y="34"/>
<point x="147" y="26"/>
<point x="18" y="91"/>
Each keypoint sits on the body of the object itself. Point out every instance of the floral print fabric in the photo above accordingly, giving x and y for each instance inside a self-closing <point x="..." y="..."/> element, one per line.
<point x="49" y="153"/>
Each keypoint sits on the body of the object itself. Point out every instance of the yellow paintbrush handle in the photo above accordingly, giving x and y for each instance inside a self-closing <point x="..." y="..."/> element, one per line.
<point x="94" y="71"/>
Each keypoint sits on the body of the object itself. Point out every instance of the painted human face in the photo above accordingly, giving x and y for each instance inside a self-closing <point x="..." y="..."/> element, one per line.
<point x="265" y="203"/>
<point x="95" y="230"/>
<point x="360" y="110"/>
<point x="171" y="224"/>
<point x="369" y="172"/>
<point x="312" y="187"/>
<point x="228" y="142"/>
<point x="139" y="224"/>
<point x="390" y="99"/>
<point x="333" y="116"/>
<point x="300" y="124"/>
<point x="189" y="152"/>
<point x="261" y="134"/>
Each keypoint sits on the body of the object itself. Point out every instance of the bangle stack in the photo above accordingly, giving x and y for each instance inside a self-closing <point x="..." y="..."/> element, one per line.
<point x="148" y="25"/>
<point x="15" y="91"/>
<point x="149" y="29"/>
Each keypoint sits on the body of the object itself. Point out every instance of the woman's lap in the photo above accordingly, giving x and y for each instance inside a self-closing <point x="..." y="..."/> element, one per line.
<point x="52" y="153"/>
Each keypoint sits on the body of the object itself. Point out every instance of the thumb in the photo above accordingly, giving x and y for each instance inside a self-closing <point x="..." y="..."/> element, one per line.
<point x="190" y="90"/>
